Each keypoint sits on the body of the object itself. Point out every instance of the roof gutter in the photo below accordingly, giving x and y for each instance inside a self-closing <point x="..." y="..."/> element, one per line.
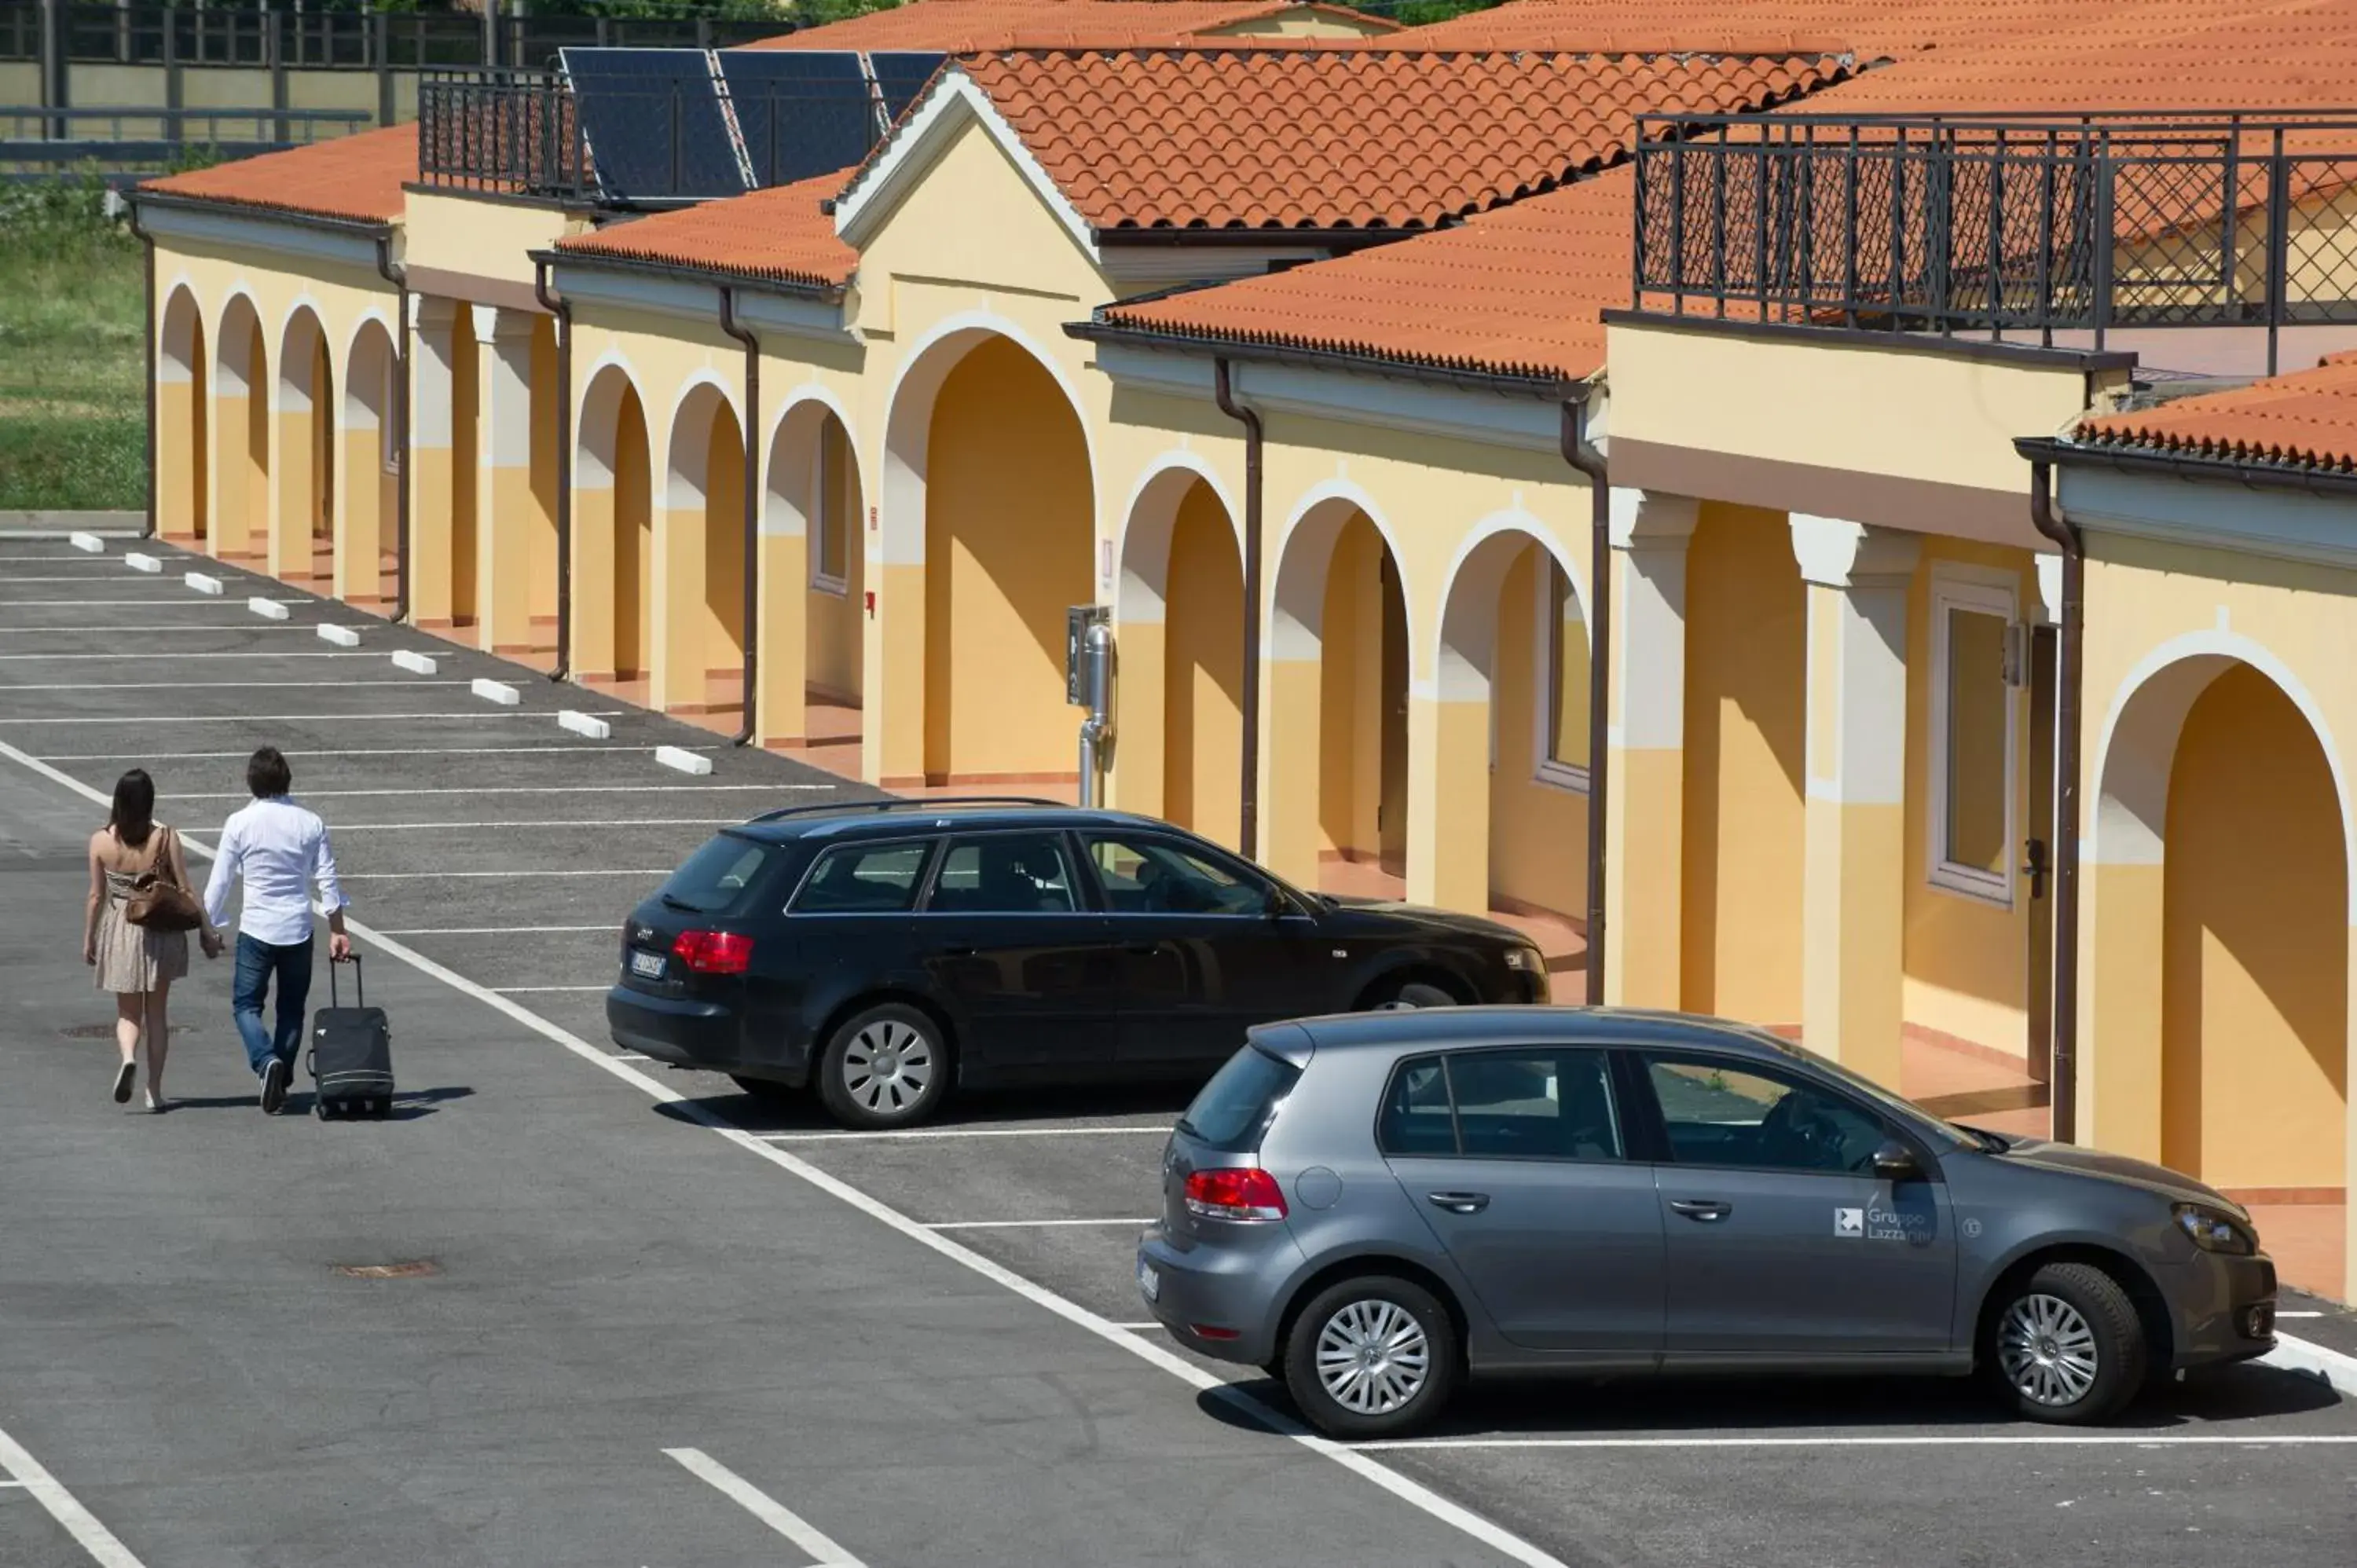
<point x="710" y="278"/>
<point x="1248" y="811"/>
<point x="752" y="503"/>
<point x="355" y="228"/>
<point x="2321" y="482"/>
<point x="154" y="447"/>
<point x="562" y="309"/>
<point x="1583" y="455"/>
<point x="1552" y="389"/>
<point x="399" y="277"/>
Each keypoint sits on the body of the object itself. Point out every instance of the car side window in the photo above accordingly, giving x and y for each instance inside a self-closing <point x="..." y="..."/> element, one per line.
<point x="1717" y="1113"/>
<point x="1532" y="1103"/>
<point x="865" y="879"/>
<point x="1005" y="874"/>
<point x="1143" y="875"/>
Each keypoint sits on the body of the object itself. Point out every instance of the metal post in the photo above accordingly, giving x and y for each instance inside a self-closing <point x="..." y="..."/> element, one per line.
<point x="56" y="88"/>
<point x="274" y="43"/>
<point x="490" y="34"/>
<point x="175" y="83"/>
<point x="380" y="47"/>
<point x="2101" y="228"/>
<point x="2230" y="213"/>
<point x="1097" y="729"/>
<point x="2278" y="242"/>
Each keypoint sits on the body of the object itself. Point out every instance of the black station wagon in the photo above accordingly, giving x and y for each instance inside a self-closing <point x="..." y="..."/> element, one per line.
<point x="886" y="951"/>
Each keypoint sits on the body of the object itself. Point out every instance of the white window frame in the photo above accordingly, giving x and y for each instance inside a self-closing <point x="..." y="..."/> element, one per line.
<point x="1981" y="590"/>
<point x="836" y="584"/>
<point x="1564" y="776"/>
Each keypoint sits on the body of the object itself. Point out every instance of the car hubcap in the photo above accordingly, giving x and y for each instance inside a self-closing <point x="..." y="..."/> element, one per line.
<point x="1373" y="1357"/>
<point x="2047" y="1351"/>
<point x="887" y="1067"/>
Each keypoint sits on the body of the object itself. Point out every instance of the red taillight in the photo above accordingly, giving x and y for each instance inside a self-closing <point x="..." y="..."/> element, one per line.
<point x="713" y="952"/>
<point x="1249" y="1194"/>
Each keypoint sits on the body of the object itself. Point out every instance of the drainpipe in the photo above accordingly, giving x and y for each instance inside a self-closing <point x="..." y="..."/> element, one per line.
<point x="1590" y="463"/>
<point x="730" y="324"/>
<point x="1248" y="811"/>
<point x="154" y="447"/>
<point x="562" y="309"/>
<point x="2063" y="1076"/>
<point x="399" y="278"/>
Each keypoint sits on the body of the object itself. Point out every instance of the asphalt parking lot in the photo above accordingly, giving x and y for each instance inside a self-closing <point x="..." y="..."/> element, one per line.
<point x="661" y="1325"/>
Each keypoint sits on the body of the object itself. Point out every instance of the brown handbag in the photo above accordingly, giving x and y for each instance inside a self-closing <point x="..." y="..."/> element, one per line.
<point x="158" y="902"/>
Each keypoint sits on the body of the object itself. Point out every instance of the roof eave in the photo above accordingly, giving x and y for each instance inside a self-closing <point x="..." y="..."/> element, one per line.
<point x="717" y="277"/>
<point x="1553" y="389"/>
<point x="369" y="228"/>
<point x="2157" y="461"/>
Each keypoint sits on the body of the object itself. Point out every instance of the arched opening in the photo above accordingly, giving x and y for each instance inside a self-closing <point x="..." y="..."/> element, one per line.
<point x="989" y="524"/>
<point x="2214" y="954"/>
<point x="1745" y="840"/>
<point x="699" y="577"/>
<point x="301" y="543"/>
<point x="813" y="579"/>
<point x="182" y="399"/>
<point x="613" y="535"/>
<point x="1509" y="823"/>
<point x="239" y="517"/>
<point x="1337" y="706"/>
<point x="369" y="474"/>
<point x="540" y="556"/>
<point x="1180" y="626"/>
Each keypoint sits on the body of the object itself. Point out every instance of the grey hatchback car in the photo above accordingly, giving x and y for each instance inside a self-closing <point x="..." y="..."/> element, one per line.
<point x="1373" y="1207"/>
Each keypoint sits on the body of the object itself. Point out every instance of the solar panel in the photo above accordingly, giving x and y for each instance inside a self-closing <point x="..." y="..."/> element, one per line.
<point x="901" y="75"/>
<point x="802" y="111"/>
<point x="655" y="123"/>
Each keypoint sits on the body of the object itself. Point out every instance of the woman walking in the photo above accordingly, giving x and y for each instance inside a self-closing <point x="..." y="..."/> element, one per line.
<point x="131" y="859"/>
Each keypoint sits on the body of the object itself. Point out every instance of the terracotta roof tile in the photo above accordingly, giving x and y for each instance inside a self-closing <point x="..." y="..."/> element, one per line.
<point x="1333" y="137"/>
<point x="356" y="177"/>
<point x="964" y="25"/>
<point x="778" y="234"/>
<point x="1514" y="292"/>
<point x="2305" y="420"/>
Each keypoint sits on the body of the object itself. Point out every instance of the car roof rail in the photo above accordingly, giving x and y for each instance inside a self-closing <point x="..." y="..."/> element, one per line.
<point x="897" y="804"/>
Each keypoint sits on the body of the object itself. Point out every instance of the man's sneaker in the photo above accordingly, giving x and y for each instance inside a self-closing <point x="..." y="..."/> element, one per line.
<point x="274" y="1087"/>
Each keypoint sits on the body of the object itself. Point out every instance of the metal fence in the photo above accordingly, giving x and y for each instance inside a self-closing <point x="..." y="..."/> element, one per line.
<point x="357" y="39"/>
<point x="513" y="131"/>
<point x="2009" y="226"/>
<point x="37" y="142"/>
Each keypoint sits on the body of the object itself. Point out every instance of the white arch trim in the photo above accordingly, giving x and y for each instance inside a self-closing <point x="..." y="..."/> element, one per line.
<point x="168" y="370"/>
<point x="1282" y="635"/>
<point x="1141" y="585"/>
<point x="988" y="321"/>
<point x="791" y="405"/>
<point x="688" y="390"/>
<point x="241" y="378"/>
<point x="1462" y="661"/>
<point x="591" y="471"/>
<point x="2118" y="836"/>
<point x="294" y="395"/>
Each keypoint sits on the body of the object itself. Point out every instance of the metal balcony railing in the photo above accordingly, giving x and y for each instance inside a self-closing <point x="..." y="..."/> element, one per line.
<point x="2016" y="227"/>
<point x="510" y="131"/>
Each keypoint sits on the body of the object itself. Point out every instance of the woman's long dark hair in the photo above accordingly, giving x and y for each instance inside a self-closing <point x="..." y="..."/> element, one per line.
<point x="134" y="816"/>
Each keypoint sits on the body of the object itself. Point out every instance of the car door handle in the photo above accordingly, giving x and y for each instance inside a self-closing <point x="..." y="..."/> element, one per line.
<point x="1703" y="1209"/>
<point x="1143" y="949"/>
<point x="957" y="952"/>
<point x="1458" y="1202"/>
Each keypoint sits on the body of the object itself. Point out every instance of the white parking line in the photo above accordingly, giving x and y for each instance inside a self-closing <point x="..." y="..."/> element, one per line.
<point x="148" y="655"/>
<point x="390" y="751"/>
<point x="924" y="1134"/>
<point x="1894" y="1440"/>
<point x="537" y="990"/>
<point x="515" y="788"/>
<point x="145" y="631"/>
<point x="765" y="1508"/>
<point x="534" y="875"/>
<point x="2299" y="1315"/>
<point x="1026" y="1224"/>
<point x="609" y="927"/>
<point x="342" y="828"/>
<point x="78" y="1521"/>
<point x="1412" y="1492"/>
<point x="218" y="685"/>
<point x="173" y="603"/>
<point x="470" y="715"/>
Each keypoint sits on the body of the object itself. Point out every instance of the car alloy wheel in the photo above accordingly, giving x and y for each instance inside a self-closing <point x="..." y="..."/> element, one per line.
<point x="2048" y="1351"/>
<point x="1372" y="1357"/>
<point x="887" y="1067"/>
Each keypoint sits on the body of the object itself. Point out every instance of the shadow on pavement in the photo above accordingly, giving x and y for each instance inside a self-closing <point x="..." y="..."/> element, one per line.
<point x="789" y="1110"/>
<point x="1571" y="1407"/>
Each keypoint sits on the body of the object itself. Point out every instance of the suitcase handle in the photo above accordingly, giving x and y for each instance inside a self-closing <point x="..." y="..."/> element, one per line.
<point x="360" y="987"/>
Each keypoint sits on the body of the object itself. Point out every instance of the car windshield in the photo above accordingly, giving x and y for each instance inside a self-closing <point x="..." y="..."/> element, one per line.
<point x="1906" y="1110"/>
<point x="717" y="875"/>
<point x="1236" y="1107"/>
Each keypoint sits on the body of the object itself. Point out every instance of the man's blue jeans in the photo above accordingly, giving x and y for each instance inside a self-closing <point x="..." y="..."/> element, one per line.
<point x="256" y="963"/>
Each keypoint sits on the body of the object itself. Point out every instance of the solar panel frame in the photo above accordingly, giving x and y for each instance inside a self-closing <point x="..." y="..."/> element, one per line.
<point x="803" y="112"/>
<point x="901" y="76"/>
<point x="657" y="128"/>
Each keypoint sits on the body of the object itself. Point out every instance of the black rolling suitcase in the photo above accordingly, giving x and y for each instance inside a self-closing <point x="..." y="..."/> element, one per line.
<point x="351" y="1053"/>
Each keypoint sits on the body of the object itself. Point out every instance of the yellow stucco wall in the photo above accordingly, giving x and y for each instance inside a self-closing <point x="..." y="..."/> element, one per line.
<point x="1746" y="722"/>
<point x="1202" y="736"/>
<point x="1538" y="830"/>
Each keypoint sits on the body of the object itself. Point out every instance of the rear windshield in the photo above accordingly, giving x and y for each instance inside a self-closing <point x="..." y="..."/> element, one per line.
<point x="1235" y="1108"/>
<point x="717" y="875"/>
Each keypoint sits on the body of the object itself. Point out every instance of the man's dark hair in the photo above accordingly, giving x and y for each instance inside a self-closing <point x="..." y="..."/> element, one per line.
<point x="267" y="773"/>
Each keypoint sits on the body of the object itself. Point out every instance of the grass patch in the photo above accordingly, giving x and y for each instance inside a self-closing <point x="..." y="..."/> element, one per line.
<point x="73" y="407"/>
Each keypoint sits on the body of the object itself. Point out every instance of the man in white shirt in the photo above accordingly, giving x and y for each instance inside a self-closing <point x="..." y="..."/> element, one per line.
<point x="279" y="849"/>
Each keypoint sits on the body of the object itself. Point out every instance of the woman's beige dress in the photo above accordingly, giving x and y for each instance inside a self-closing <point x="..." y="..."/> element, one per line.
<point x="133" y="959"/>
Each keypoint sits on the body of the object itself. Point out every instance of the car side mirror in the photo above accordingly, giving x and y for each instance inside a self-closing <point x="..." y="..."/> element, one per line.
<point x="1894" y="1161"/>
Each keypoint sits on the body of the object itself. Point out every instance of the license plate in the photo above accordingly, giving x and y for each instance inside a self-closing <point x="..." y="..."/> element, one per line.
<point x="1149" y="1283"/>
<point x="647" y="965"/>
